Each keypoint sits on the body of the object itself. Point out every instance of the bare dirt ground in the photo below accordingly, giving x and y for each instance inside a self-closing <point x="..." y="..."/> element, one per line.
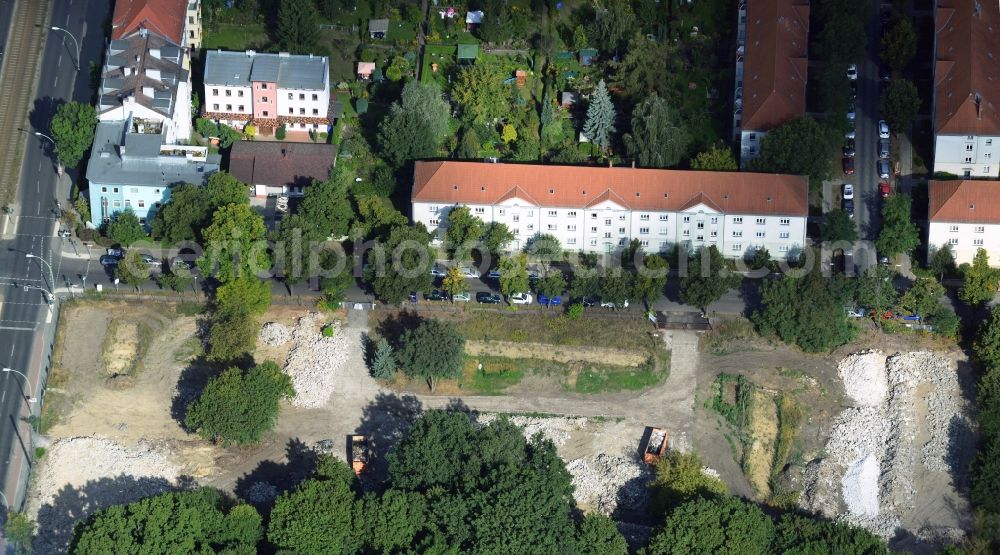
<point x="764" y="427"/>
<point x="601" y="355"/>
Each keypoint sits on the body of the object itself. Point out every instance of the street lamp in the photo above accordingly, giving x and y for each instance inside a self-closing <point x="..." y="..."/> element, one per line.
<point x="52" y="279"/>
<point x="27" y="383"/>
<point x="48" y="294"/>
<point x="44" y="136"/>
<point x="77" y="62"/>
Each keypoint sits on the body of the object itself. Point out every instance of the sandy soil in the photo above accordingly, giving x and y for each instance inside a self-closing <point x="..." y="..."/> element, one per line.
<point x="121" y="347"/>
<point x="764" y="428"/>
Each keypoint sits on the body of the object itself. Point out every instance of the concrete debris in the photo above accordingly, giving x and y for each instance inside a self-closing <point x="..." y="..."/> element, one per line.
<point x="864" y="378"/>
<point x="611" y="482"/>
<point x="950" y="428"/>
<point x="261" y="493"/>
<point x="557" y="430"/>
<point x="860" y="487"/>
<point x="314" y="361"/>
<point x="275" y="334"/>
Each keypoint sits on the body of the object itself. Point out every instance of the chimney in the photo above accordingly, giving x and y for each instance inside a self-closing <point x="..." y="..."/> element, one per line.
<point x="633" y="164"/>
<point x="610" y="163"/>
<point x="978" y="98"/>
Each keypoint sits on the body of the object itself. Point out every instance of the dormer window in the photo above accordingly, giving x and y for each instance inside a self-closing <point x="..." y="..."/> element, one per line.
<point x="455" y="187"/>
<point x="552" y="191"/>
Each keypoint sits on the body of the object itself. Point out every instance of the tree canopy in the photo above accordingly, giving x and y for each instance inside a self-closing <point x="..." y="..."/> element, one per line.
<point x="898" y="46"/>
<point x="658" y="138"/>
<point x="979" y="284"/>
<point x="513" y="274"/>
<point x="404" y="266"/>
<point x="464" y="228"/>
<point x="132" y="270"/>
<point x="190" y="207"/>
<point x="297" y="30"/>
<point x="416" y="124"/>
<point x="874" y="289"/>
<point x="235" y="243"/>
<point x="327" y="207"/>
<point x="708" y="278"/>
<point x="72" y="130"/>
<point x="800" y="147"/>
<point x="717" y="158"/>
<point x="600" y="124"/>
<point x="806" y="311"/>
<point x="838" y="226"/>
<point x="238" y="406"/>
<point x="124" y="228"/>
<point x="720" y="526"/>
<point x="899" y="104"/>
<point x="481" y="93"/>
<point x="434" y="349"/>
<point x="899" y="234"/>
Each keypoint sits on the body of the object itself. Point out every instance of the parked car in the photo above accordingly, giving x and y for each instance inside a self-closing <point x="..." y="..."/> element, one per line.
<point x="116" y="252"/>
<point x="884" y="189"/>
<point x="848" y="191"/>
<point x="848" y="149"/>
<point x="461" y="297"/>
<point x="435" y="295"/>
<point x="852" y="132"/>
<point x="590" y="301"/>
<point x="546" y="301"/>
<point x="469" y="272"/>
<point x="413" y="297"/>
<point x="178" y="262"/>
<point x="848" y="165"/>
<point x="108" y="260"/>
<point x="485" y="297"/>
<point x="609" y="304"/>
<point x="854" y="90"/>
<point x="851" y="111"/>
<point x="883" y="129"/>
<point x="883" y="148"/>
<point x="883" y="169"/>
<point x="438" y="271"/>
<point x="855" y="312"/>
<point x="848" y="206"/>
<point x="852" y="72"/>
<point x="150" y="260"/>
<point x="520" y="298"/>
<point x="493" y="274"/>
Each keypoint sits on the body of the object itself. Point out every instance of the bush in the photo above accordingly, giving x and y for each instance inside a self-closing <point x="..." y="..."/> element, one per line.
<point x="280" y="133"/>
<point x="574" y="311"/>
<point x="327" y="330"/>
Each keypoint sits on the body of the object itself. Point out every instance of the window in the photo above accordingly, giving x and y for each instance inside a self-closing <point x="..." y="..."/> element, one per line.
<point x="761" y="221"/>
<point x="229" y="107"/>
<point x="517" y="231"/>
<point x="977" y="242"/>
<point x="644" y="230"/>
<point x="480" y="210"/>
<point x="644" y="243"/>
<point x="264" y="86"/>
<point x="968" y="147"/>
<point x="114" y="190"/>
<point x="783" y="235"/>
<point x="128" y="203"/>
<point x="607" y="234"/>
<point x="621" y="230"/>
<point x="715" y="221"/>
<point x="229" y="92"/>
<point x="621" y="217"/>
<point x="302" y="96"/>
<point x="215" y="107"/>
<point x="104" y="189"/>
<point x="989" y="142"/>
<point x="118" y="203"/>
<point x="239" y="93"/>
<point x="760" y="234"/>
<point x="782" y="248"/>
<point x="552" y="227"/>
<point x="687" y="219"/>
<point x="571" y="227"/>
<point x="968" y="159"/>
<point x="434" y="222"/>
<point x="953" y="229"/>
<point x="501" y="211"/>
<point x="593" y="215"/>
<point x="242" y="108"/>
<point x="980" y="229"/>
<point x="713" y="234"/>
<point x="687" y="232"/>
<point x="623" y="240"/>
<point x="986" y="169"/>
<point x="988" y="155"/>
<point x="302" y="111"/>
<point x="215" y="92"/>
<point x="786" y="221"/>
<point x="315" y="112"/>
<point x="133" y="190"/>
<point x="738" y="220"/>
<point x="953" y="241"/>
<point x="664" y="245"/>
<point x="315" y="97"/>
<point x="663" y="217"/>
<point x="663" y="231"/>
<point x="142" y="204"/>
<point x="517" y="217"/>
<point x="607" y="221"/>
<point x="571" y="241"/>
<point x="434" y="209"/>
<point x="264" y="113"/>
<point x="157" y="192"/>
<point x="531" y="227"/>
<point x="552" y="213"/>
<point x="737" y="234"/>
<point x="644" y="217"/>
<point x="737" y="247"/>
<point x="531" y="213"/>
<point x="701" y="225"/>
<point x="967" y="173"/>
<point x="571" y="214"/>
<point x="593" y="230"/>
<point x="593" y="242"/>
<point x="752" y="136"/>
<point x="263" y="99"/>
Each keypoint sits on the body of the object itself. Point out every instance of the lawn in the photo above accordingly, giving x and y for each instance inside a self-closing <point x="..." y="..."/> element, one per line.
<point x="499" y="373"/>
<point x="233" y="36"/>
<point x="443" y="56"/>
<point x="610" y="378"/>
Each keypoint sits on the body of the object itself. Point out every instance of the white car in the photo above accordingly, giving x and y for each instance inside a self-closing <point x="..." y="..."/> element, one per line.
<point x="521" y="298"/>
<point x="461" y="297"/>
<point x="848" y="191"/>
<point x="493" y="274"/>
<point x="469" y="272"/>
<point x="852" y="72"/>
<point x="883" y="129"/>
<point x="438" y="271"/>
<point x="609" y="304"/>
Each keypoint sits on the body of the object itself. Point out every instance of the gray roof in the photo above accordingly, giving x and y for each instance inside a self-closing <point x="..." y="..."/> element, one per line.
<point x="299" y="71"/>
<point x="378" y="25"/>
<point x="144" y="66"/>
<point x="140" y="164"/>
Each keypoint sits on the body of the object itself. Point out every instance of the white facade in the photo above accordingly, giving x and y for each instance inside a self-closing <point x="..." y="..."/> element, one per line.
<point x="607" y="227"/>
<point x="967" y="155"/>
<point x="303" y="102"/>
<point x="965" y="239"/>
<point x="192" y="25"/>
<point x="750" y="145"/>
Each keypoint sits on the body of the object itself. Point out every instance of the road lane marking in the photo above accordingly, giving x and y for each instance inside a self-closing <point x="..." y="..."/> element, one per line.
<point x="59" y="62"/>
<point x="56" y="84"/>
<point x="38" y="207"/>
<point x="12" y="328"/>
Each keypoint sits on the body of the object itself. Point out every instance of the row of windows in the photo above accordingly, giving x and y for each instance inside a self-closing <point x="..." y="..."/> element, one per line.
<point x="621" y="217"/>
<point x="239" y="94"/>
<point x="738" y="247"/>
<point x="975" y="242"/>
<point x="978" y="229"/>
<point x="133" y="190"/>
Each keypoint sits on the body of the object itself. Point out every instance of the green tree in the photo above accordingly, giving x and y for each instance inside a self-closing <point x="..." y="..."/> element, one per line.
<point x="800" y="534"/>
<point x="615" y="286"/>
<point x="599" y="535"/>
<point x="464" y="228"/>
<point x="875" y="289"/>
<point x="335" y="284"/>
<point x="238" y="406"/>
<point x="838" y="226"/>
<point x="513" y="274"/>
<point x="232" y="335"/>
<point x="987" y="343"/>
<point x="132" y="270"/>
<point x="377" y="217"/>
<point x="199" y="521"/>
<point x="454" y="282"/>
<point x="584" y="283"/>
<point x="716" y="158"/>
<point x="496" y="236"/>
<point x="800" y="147"/>
<point x="979" y="284"/>
<point x="291" y="241"/>
<point x="407" y="259"/>
<point x="611" y="26"/>
<point x="600" y="124"/>
<point x="899" y="104"/>
<point x="244" y="293"/>
<point x="383" y="361"/>
<point x="679" y="479"/>
<point x="548" y="107"/>
<point x="807" y="311"/>
<point x="942" y="261"/>
<point x="945" y="321"/>
<point x="544" y="248"/>
<point x="508" y="134"/>
<point x="398" y="68"/>
<point x="722" y="526"/>
<point x="471" y="144"/>
<point x="551" y="285"/>
<point x="73" y="131"/>
<point x="235" y="243"/>
<point x="321" y="515"/>
<point x="651" y="278"/>
<point x="580" y="40"/>
<point x="297" y="30"/>
<point x="434" y="349"/>
<point x="328" y="207"/>
<point x="19" y="529"/>
<point x="923" y="297"/>
<point x="899" y="45"/>
<point x="124" y="228"/>
<point x="658" y="138"/>
<point x="650" y="67"/>
<point x="190" y="207"/>
<point x="416" y="124"/>
<point x="394" y="520"/>
<point x="480" y="92"/>
<point x="707" y="279"/>
<point x="899" y="234"/>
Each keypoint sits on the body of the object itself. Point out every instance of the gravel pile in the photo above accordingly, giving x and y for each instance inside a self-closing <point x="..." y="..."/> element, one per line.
<point x="81" y="475"/>
<point x="947" y="417"/>
<point x="860" y="487"/>
<point x="611" y="482"/>
<point x="864" y="378"/>
<point x="275" y="335"/>
<point x="315" y="361"/>
<point x="557" y="430"/>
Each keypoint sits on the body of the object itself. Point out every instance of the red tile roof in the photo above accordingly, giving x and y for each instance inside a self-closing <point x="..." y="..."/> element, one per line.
<point x="276" y="164"/>
<point x="967" y="67"/>
<point x="970" y="201"/>
<point x="163" y="17"/>
<point x="636" y="188"/>
<point x="774" y="66"/>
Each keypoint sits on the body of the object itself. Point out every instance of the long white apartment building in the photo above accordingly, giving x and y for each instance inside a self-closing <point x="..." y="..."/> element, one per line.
<point x="601" y="209"/>
<point x="965" y="215"/>
<point x="267" y="90"/>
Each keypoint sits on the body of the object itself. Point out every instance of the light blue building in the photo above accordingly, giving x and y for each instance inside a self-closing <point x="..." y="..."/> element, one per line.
<point x="131" y="167"/>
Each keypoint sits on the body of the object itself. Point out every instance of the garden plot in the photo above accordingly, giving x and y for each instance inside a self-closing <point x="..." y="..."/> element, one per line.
<point x="892" y="458"/>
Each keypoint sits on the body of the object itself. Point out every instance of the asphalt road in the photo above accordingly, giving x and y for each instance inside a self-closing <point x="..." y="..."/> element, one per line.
<point x="24" y="314"/>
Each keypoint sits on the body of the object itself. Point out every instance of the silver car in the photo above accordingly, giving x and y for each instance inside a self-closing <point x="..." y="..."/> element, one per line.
<point x="883" y="148"/>
<point x="883" y="168"/>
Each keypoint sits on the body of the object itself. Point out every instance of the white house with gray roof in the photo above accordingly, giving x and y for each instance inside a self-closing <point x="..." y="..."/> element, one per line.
<point x="267" y="90"/>
<point x="132" y="166"/>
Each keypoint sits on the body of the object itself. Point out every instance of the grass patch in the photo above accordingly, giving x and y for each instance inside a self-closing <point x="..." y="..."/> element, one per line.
<point x="789" y="419"/>
<point x="730" y="336"/>
<point x="235" y="36"/>
<point x="51" y="410"/>
<point x="497" y="373"/>
<point x="555" y="330"/>
<point x="191" y="349"/>
<point x="39" y="452"/>
<point x="188" y="308"/>
<point x="732" y="397"/>
<point x="607" y="377"/>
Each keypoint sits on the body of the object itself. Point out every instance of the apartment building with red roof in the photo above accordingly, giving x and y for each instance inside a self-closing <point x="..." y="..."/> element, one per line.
<point x="771" y="69"/>
<point x="965" y="215"/>
<point x="967" y="88"/>
<point x="601" y="209"/>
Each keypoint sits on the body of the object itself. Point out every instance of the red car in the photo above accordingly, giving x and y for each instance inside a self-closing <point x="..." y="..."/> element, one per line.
<point x="884" y="189"/>
<point x="848" y="166"/>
